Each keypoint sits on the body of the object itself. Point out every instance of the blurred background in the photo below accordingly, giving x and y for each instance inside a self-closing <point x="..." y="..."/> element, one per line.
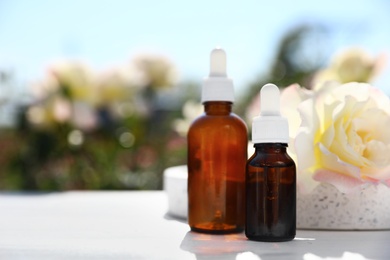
<point x="100" y="94"/>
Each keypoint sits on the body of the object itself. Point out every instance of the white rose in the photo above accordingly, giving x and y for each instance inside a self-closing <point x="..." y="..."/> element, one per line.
<point x="344" y="136"/>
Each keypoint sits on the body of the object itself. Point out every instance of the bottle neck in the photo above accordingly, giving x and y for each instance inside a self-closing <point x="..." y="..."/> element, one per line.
<point x="271" y="147"/>
<point x="218" y="107"/>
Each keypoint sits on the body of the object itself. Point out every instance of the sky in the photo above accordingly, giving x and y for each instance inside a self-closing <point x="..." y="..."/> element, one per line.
<point x="103" y="33"/>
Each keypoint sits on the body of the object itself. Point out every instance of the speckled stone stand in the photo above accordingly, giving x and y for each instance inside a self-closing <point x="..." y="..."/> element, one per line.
<point x="327" y="208"/>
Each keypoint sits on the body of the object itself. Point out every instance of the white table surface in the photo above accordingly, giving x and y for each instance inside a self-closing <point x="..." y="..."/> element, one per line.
<point x="134" y="225"/>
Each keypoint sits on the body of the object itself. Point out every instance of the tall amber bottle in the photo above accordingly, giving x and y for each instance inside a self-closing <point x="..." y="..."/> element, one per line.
<point x="270" y="175"/>
<point x="217" y="155"/>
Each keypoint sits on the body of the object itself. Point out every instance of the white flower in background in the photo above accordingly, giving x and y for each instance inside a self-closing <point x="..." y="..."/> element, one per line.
<point x="37" y="116"/>
<point x="50" y="111"/>
<point x="343" y="138"/>
<point x="291" y="98"/>
<point x="351" y="65"/>
<point x="62" y="110"/>
<point x="75" y="137"/>
<point x="76" y="80"/>
<point x="191" y="110"/>
<point x="114" y="86"/>
<point x="155" y="71"/>
<point x="46" y="87"/>
<point x="68" y="94"/>
<point x="73" y="93"/>
<point x="84" y="116"/>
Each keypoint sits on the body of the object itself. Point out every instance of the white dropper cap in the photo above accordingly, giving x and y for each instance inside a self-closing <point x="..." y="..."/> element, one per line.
<point x="270" y="126"/>
<point x="217" y="87"/>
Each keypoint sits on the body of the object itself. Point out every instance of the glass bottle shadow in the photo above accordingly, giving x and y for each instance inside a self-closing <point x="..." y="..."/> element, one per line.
<point x="205" y="246"/>
<point x="237" y="247"/>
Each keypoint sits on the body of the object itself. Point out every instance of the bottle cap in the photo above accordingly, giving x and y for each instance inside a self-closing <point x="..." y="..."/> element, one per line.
<point x="270" y="126"/>
<point x="217" y="86"/>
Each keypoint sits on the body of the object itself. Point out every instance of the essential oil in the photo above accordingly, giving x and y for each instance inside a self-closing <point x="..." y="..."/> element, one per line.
<point x="217" y="155"/>
<point x="270" y="175"/>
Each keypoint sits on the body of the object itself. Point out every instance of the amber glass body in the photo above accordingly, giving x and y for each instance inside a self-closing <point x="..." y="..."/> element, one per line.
<point x="270" y="194"/>
<point x="217" y="155"/>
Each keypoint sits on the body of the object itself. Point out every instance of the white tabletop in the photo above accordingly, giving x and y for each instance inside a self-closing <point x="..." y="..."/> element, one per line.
<point x="134" y="225"/>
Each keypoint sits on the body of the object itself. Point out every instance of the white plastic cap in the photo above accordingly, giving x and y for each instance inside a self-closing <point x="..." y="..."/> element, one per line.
<point x="270" y="126"/>
<point x="217" y="87"/>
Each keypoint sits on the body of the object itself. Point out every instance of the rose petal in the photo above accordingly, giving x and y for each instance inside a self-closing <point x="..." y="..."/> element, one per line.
<point x="382" y="174"/>
<point x="343" y="138"/>
<point x="332" y="162"/>
<point x="343" y="183"/>
<point x="306" y="182"/>
<point x="378" y="153"/>
<point x="329" y="131"/>
<point x="305" y="157"/>
<point x="342" y="148"/>
<point x="290" y="99"/>
<point x="373" y="124"/>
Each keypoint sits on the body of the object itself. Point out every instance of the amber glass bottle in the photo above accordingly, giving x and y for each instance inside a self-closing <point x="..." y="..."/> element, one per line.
<point x="217" y="155"/>
<point x="270" y="179"/>
<point x="271" y="193"/>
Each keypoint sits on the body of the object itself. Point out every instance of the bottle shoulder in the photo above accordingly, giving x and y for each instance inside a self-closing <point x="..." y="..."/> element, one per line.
<point x="239" y="119"/>
<point x="230" y="119"/>
<point x="260" y="159"/>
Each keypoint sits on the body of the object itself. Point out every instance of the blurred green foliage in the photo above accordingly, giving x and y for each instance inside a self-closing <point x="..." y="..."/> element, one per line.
<point x="301" y="52"/>
<point x="116" y="130"/>
<point x="83" y="134"/>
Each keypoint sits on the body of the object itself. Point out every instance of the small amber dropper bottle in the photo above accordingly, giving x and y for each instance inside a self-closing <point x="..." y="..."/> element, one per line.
<point x="270" y="175"/>
<point x="217" y="155"/>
